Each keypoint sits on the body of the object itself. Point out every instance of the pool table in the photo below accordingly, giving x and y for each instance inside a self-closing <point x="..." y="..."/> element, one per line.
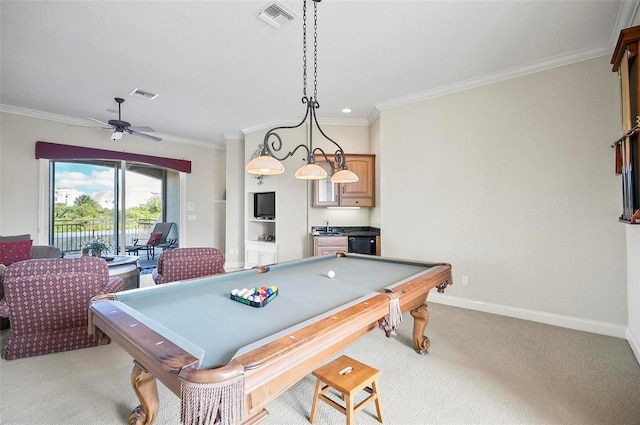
<point x="227" y="359"/>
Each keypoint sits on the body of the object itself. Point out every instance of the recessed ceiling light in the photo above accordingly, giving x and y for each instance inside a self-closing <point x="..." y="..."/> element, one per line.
<point x="346" y="110"/>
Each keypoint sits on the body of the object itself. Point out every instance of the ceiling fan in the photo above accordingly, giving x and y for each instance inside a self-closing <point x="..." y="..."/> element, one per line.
<point x="119" y="127"/>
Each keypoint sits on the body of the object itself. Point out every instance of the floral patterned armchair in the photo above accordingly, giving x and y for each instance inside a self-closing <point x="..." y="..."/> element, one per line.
<point x="47" y="302"/>
<point x="19" y="248"/>
<point x="188" y="263"/>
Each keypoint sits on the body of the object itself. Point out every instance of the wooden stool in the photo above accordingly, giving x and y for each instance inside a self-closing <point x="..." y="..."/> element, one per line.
<point x="349" y="377"/>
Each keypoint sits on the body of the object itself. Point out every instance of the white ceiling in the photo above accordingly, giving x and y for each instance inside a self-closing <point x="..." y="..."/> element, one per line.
<point x="220" y="70"/>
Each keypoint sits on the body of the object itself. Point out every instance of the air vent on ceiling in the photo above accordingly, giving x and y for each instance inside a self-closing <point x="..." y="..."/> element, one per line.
<point x="143" y="93"/>
<point x="277" y="15"/>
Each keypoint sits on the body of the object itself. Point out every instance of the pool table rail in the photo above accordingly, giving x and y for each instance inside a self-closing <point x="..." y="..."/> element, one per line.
<point x="138" y="339"/>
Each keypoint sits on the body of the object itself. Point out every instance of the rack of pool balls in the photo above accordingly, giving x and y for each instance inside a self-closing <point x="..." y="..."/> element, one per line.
<point x="256" y="297"/>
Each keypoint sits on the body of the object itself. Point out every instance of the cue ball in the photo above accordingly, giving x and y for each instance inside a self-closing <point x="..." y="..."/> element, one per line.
<point x="331" y="274"/>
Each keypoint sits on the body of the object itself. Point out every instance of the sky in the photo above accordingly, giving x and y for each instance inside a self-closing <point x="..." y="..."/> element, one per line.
<point x="90" y="179"/>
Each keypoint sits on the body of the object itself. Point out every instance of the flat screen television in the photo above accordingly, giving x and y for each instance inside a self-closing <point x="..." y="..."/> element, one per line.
<point x="264" y="205"/>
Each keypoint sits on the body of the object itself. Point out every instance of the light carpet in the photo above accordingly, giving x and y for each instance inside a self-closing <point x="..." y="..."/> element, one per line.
<point x="480" y="369"/>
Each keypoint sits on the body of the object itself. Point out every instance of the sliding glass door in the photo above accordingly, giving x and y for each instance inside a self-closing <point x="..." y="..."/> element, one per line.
<point x="145" y="200"/>
<point x="89" y="199"/>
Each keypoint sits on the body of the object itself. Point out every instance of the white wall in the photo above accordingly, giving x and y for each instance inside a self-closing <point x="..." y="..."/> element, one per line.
<point x="19" y="171"/>
<point x="633" y="287"/>
<point x="513" y="183"/>
<point x="234" y="255"/>
<point x="374" y="141"/>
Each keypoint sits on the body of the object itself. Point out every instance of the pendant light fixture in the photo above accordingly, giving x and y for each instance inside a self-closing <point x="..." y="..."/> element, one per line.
<point x="267" y="163"/>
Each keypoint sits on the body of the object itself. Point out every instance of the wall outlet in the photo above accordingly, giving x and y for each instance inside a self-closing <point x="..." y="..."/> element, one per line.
<point x="465" y="280"/>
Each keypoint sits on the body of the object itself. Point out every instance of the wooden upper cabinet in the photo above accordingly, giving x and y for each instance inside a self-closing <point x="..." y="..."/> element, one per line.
<point x="625" y="63"/>
<point x="362" y="192"/>
<point x="358" y="194"/>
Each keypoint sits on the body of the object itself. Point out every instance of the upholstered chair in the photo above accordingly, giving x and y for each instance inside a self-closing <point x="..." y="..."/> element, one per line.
<point x="47" y="302"/>
<point x="19" y="248"/>
<point x="188" y="263"/>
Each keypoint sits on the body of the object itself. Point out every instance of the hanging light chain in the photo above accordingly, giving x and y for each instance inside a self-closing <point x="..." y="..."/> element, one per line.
<point x="304" y="49"/>
<point x="315" y="50"/>
<point x="338" y="164"/>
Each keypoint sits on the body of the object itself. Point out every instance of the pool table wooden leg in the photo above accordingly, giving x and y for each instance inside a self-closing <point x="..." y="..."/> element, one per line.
<point x="144" y="384"/>
<point x="420" y="320"/>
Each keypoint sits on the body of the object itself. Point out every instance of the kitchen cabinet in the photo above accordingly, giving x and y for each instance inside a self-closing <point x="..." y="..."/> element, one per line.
<point x="329" y="244"/>
<point x="358" y="194"/>
<point x="362" y="192"/>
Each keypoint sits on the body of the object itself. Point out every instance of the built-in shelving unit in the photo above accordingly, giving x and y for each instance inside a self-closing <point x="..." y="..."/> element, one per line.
<point x="261" y="246"/>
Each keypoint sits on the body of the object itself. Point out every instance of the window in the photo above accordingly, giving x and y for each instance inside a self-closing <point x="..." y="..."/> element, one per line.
<point x="169" y="172"/>
<point x="86" y="202"/>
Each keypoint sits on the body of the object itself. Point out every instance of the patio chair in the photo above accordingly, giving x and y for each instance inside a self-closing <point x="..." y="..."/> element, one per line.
<point x="158" y="238"/>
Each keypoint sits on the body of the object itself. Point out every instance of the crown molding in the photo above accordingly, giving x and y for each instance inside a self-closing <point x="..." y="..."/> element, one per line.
<point x="233" y="136"/>
<point x="374" y="116"/>
<point x="32" y="113"/>
<point x="626" y="13"/>
<point x="80" y="122"/>
<point x="503" y="75"/>
<point x="292" y="122"/>
<point x="268" y="125"/>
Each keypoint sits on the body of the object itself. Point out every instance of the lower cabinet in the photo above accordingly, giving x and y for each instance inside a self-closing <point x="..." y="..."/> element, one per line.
<point x="258" y="253"/>
<point x="330" y="244"/>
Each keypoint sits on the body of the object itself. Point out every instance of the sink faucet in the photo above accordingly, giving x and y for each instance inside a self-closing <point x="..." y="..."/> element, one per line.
<point x="327" y="226"/>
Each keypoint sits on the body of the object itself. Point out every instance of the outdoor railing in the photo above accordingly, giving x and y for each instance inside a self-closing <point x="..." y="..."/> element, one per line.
<point x="70" y="235"/>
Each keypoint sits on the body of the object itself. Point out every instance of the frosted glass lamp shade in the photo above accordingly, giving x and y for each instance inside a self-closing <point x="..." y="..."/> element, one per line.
<point x="265" y="165"/>
<point x="311" y="172"/>
<point x="344" y="176"/>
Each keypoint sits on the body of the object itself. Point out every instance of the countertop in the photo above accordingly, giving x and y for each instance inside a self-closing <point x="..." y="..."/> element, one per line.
<point x="345" y="231"/>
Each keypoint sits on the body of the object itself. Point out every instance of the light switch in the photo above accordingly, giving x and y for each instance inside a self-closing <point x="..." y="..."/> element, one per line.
<point x="191" y="206"/>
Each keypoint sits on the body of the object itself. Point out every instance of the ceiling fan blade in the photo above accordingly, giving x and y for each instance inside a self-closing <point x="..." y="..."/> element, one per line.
<point x="101" y="122"/>
<point x="146" y="136"/>
<point x="144" y="129"/>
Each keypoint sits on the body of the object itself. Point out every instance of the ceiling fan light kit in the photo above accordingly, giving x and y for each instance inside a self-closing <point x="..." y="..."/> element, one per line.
<point x="120" y="127"/>
<point x="268" y="163"/>
<point x="117" y="134"/>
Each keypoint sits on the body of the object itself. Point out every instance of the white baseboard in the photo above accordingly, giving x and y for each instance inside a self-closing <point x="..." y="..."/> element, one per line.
<point x="635" y="346"/>
<point x="569" y="322"/>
